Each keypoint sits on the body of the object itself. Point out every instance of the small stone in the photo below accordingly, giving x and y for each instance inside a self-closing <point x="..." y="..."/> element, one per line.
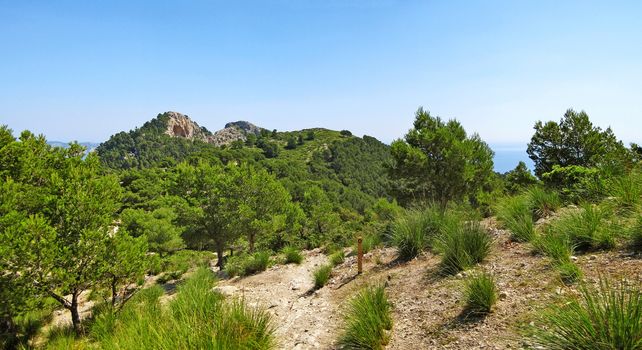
<point x="503" y="295"/>
<point x="592" y="257"/>
<point x="574" y="258"/>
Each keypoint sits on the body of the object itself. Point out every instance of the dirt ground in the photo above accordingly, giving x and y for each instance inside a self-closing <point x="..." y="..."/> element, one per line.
<point x="427" y="308"/>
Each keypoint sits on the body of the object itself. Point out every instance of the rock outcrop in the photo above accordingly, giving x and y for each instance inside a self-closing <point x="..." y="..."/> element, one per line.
<point x="180" y="125"/>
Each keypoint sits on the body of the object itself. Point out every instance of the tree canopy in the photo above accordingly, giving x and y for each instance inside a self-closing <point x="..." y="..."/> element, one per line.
<point x="437" y="161"/>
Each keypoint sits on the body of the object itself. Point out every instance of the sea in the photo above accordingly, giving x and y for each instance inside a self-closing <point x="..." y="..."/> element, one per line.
<point x="508" y="156"/>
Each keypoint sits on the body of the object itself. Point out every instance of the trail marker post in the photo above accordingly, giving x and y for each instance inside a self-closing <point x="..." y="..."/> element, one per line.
<point x="359" y="255"/>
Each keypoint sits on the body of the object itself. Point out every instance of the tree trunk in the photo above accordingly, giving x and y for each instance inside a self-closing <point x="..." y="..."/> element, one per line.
<point x="220" y="261"/>
<point x="251" y="241"/>
<point x="75" y="316"/>
<point x="114" y="292"/>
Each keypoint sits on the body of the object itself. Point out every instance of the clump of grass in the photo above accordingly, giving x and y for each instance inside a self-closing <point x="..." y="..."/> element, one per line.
<point x="588" y="229"/>
<point x="635" y="235"/>
<point x="569" y="272"/>
<point x="197" y="318"/>
<point x="245" y="265"/>
<point x="366" y="320"/>
<point x="292" y="255"/>
<point x="626" y="191"/>
<point x="515" y="214"/>
<point x="559" y="249"/>
<point x="606" y="317"/>
<point x="337" y="258"/>
<point x="415" y="231"/>
<point x="481" y="294"/>
<point x="322" y="275"/>
<point x="543" y="202"/>
<point x="169" y="276"/>
<point x="555" y="245"/>
<point x="463" y="247"/>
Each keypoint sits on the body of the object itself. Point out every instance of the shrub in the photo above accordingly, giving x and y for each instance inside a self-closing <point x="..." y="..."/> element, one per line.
<point x="245" y="265"/>
<point x="587" y="229"/>
<point x="463" y="247"/>
<point x="542" y="202"/>
<point x="515" y="214"/>
<point x="337" y="258"/>
<point x="322" y="275"/>
<point x="197" y="318"/>
<point x="481" y="294"/>
<point x="292" y="255"/>
<point x="366" y="320"/>
<point x="576" y="183"/>
<point x="169" y="276"/>
<point x="605" y="317"/>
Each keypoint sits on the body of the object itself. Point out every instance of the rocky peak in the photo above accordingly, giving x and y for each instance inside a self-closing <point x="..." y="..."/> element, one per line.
<point x="180" y="125"/>
<point x="246" y="127"/>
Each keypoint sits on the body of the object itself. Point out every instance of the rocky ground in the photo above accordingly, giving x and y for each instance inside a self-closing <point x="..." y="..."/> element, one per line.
<point x="427" y="308"/>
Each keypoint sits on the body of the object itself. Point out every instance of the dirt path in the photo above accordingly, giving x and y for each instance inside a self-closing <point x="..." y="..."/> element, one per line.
<point x="304" y="319"/>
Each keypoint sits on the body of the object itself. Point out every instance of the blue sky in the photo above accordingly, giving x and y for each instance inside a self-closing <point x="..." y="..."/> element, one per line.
<point x="87" y="69"/>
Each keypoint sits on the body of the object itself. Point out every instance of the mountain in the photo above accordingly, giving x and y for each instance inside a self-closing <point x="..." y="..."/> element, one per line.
<point x="351" y="170"/>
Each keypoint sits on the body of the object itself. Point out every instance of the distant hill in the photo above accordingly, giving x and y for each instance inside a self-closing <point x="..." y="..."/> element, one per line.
<point x="337" y="161"/>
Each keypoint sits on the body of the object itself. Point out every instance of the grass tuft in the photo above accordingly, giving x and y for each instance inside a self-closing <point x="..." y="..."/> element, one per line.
<point x="366" y="320"/>
<point x="463" y="247"/>
<point x="322" y="275"/>
<point x="196" y="319"/>
<point x="481" y="294"/>
<point x="515" y="214"/>
<point x="588" y="229"/>
<point x="542" y="202"/>
<point x="605" y="317"/>
<point x="292" y="255"/>
<point x="245" y="265"/>
<point x="337" y="258"/>
<point x="416" y="230"/>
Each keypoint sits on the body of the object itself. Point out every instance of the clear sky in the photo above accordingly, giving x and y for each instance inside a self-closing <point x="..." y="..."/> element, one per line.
<point x="83" y="70"/>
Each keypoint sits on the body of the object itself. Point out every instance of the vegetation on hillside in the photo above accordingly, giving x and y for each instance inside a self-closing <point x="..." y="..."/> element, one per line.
<point x="101" y="225"/>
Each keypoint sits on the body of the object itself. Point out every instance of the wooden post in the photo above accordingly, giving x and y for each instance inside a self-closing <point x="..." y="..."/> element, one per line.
<point x="359" y="255"/>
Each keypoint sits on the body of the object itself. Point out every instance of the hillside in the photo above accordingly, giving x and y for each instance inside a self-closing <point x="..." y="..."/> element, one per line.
<point x="351" y="170"/>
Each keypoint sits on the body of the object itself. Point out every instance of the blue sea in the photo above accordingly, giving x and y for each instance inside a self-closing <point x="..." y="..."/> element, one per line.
<point x="508" y="156"/>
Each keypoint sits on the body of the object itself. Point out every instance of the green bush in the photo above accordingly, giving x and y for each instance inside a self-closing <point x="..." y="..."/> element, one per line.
<point x="337" y="258"/>
<point x="587" y="229"/>
<point x="463" y="247"/>
<point x="169" y="276"/>
<point x="245" y="265"/>
<point x="481" y="294"/>
<point x="322" y="275"/>
<point x="542" y="202"/>
<point x="604" y="318"/>
<point x="514" y="213"/>
<point x="292" y="255"/>
<point x="576" y="183"/>
<point x="366" y="320"/>
<point x="197" y="318"/>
